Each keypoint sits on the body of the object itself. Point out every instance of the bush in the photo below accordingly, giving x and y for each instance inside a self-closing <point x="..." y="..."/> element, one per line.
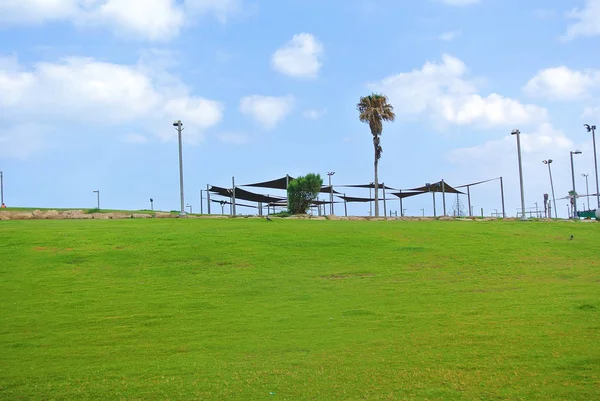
<point x="302" y="192"/>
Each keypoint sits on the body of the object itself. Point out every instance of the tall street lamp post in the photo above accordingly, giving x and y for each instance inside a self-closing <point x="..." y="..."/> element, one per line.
<point x="592" y="129"/>
<point x="576" y="152"/>
<point x="1" y="189"/>
<point x="179" y="127"/>
<point x="549" y="162"/>
<point x="97" y="192"/>
<point x="518" y="134"/>
<point x="587" y="191"/>
<point x="331" y="190"/>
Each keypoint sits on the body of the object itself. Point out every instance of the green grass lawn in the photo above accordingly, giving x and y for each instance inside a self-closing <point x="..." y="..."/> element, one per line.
<point x="242" y="309"/>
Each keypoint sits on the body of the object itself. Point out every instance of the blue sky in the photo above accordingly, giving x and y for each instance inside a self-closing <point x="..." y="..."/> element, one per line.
<point x="89" y="90"/>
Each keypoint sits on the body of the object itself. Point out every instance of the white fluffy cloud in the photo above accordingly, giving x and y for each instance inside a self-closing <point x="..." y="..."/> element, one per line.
<point x="449" y="36"/>
<point x="562" y="83"/>
<point x="83" y="90"/>
<point x="300" y="57"/>
<point x="587" y="21"/>
<point x="149" y="19"/>
<point x="267" y="110"/>
<point x="314" y="114"/>
<point x="441" y="92"/>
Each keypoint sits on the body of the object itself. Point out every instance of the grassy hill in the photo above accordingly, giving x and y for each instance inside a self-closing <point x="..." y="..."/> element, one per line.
<point x="294" y="310"/>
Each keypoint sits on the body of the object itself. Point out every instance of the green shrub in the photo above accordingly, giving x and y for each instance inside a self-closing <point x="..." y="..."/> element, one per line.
<point x="302" y="192"/>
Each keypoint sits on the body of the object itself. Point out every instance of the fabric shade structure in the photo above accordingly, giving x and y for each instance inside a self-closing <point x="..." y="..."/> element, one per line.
<point x="436" y="187"/>
<point x="476" y="183"/>
<point x="246" y="195"/>
<point x="280" y="183"/>
<point x="229" y="203"/>
<point x="371" y="185"/>
<point x="327" y="190"/>
<point x="351" y="199"/>
<point x="403" y="195"/>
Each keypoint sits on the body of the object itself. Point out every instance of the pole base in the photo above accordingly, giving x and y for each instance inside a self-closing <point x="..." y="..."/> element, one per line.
<point x="182" y="214"/>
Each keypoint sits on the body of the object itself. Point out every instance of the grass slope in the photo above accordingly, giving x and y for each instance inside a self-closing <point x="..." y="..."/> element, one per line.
<point x="294" y="310"/>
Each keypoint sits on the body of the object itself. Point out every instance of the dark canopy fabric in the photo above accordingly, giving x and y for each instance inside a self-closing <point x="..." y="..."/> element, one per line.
<point x="280" y="183"/>
<point x="327" y="190"/>
<point x="437" y="187"/>
<point x="229" y="203"/>
<point x="245" y="195"/>
<point x="477" y="183"/>
<point x="352" y="199"/>
<point x="406" y="194"/>
<point x="371" y="185"/>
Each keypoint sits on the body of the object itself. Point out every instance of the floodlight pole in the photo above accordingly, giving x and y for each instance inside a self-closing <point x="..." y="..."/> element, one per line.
<point x="518" y="134"/>
<point x="151" y="204"/>
<point x="97" y="192"/>
<point x="548" y="163"/>
<point x="592" y="129"/>
<point x="179" y="127"/>
<point x="370" y="203"/>
<point x="576" y="152"/>
<point x="587" y="190"/>
<point x="1" y="188"/>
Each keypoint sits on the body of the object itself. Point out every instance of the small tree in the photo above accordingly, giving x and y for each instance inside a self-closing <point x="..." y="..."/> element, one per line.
<point x="302" y="192"/>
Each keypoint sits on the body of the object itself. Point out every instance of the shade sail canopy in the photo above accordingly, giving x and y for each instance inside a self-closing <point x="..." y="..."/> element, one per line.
<point x="245" y="195"/>
<point x="371" y="185"/>
<point x="352" y="199"/>
<point x="327" y="190"/>
<point x="437" y="187"/>
<point x="406" y="194"/>
<point x="229" y="203"/>
<point x="477" y="183"/>
<point x="280" y="183"/>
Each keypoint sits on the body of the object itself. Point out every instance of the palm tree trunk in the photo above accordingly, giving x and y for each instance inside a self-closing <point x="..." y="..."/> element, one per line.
<point x="376" y="184"/>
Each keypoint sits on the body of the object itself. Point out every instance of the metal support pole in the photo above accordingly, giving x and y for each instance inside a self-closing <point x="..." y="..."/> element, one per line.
<point x="384" y="202"/>
<point x="370" y="203"/>
<point x="207" y="199"/>
<point x="444" y="196"/>
<point x="518" y="134"/>
<point x="401" y="209"/>
<point x="502" y="195"/>
<point x="1" y="188"/>
<point x="233" y="196"/>
<point x="574" y="192"/>
<point x="201" y="211"/>
<point x="469" y="200"/>
<point x="434" y="211"/>
<point x="345" y="206"/>
<point x="179" y="127"/>
<point x="593" y="129"/>
<point x="287" y="195"/>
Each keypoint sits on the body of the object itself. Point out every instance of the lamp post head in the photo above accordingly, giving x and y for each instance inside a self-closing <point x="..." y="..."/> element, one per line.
<point x="515" y="132"/>
<point x="576" y="152"/>
<point x="177" y="123"/>
<point x="547" y="161"/>
<point x="589" y="128"/>
<point x="331" y="173"/>
<point x="96" y="191"/>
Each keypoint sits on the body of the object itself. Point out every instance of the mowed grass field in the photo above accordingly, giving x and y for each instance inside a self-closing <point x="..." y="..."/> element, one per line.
<point x="243" y="309"/>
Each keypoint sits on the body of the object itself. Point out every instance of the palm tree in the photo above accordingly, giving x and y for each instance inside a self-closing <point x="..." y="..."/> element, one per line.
<point x="374" y="110"/>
